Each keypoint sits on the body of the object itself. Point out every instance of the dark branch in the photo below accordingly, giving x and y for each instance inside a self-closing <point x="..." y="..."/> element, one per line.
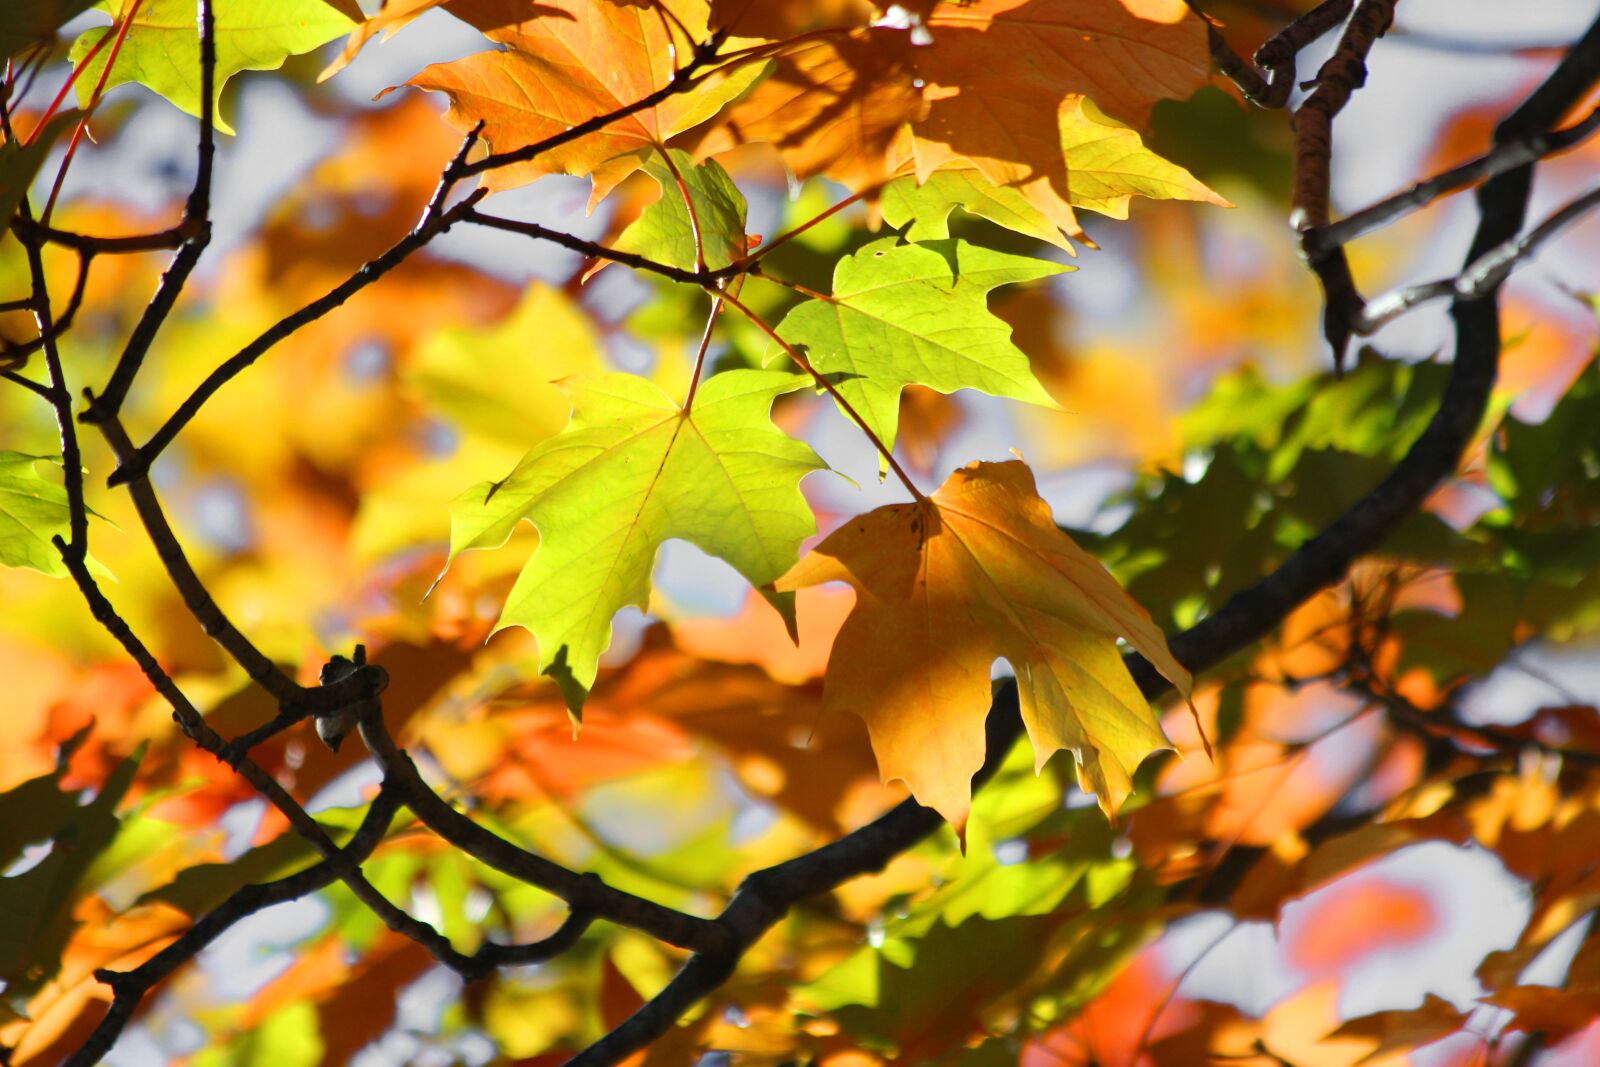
<point x="14" y="352"/>
<point x="129" y="988"/>
<point x="614" y="255"/>
<point x="110" y="246"/>
<point x="584" y="892"/>
<point x="1277" y="56"/>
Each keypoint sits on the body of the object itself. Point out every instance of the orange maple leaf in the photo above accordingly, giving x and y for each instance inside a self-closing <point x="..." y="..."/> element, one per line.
<point x="947" y="585"/>
<point x="574" y="60"/>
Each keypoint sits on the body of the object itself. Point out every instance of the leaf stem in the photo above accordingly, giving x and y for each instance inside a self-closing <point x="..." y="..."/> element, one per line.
<point x="789" y="235"/>
<point x="66" y="87"/>
<point x="829" y="388"/>
<point x="700" y="354"/>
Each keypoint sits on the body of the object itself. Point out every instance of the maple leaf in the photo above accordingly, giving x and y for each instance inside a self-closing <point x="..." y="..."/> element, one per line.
<point x="664" y="232"/>
<point x="32" y="511"/>
<point x="1108" y="165"/>
<point x="1015" y="62"/>
<point x="575" y="60"/>
<point x="946" y="586"/>
<point x="923" y="208"/>
<point x="162" y="50"/>
<point x="903" y="314"/>
<point x="631" y="470"/>
<point x="949" y="584"/>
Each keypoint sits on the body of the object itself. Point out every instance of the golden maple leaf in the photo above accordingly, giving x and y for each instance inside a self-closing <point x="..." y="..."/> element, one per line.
<point x="947" y="585"/>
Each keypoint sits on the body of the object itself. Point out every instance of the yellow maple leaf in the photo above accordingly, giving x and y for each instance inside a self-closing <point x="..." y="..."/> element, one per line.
<point x="947" y="585"/>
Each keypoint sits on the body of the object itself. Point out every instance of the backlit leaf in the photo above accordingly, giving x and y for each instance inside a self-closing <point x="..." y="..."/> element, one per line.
<point x="574" y="60"/>
<point x="32" y="511"/>
<point x="946" y="586"/>
<point x="664" y="231"/>
<point x="632" y="470"/>
<point x="903" y="314"/>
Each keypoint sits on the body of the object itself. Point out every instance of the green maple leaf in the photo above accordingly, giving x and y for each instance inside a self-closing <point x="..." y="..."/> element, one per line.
<point x="32" y="510"/>
<point x="904" y="314"/>
<point x="162" y="48"/>
<point x="662" y="231"/>
<point x="631" y="470"/>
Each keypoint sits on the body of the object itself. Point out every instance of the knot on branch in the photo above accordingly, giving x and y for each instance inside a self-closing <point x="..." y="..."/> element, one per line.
<point x="122" y="983"/>
<point x="364" y="682"/>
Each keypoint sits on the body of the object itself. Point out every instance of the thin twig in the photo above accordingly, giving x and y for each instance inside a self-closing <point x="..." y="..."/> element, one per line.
<point x="1277" y="56"/>
<point x="685" y="79"/>
<point x="700" y="353"/>
<point x="64" y="321"/>
<point x="27" y="383"/>
<point x="129" y="988"/>
<point x="138" y="463"/>
<point x="169" y="238"/>
<point x="599" y="251"/>
<point x="1501" y="159"/>
<point x="1480" y="276"/>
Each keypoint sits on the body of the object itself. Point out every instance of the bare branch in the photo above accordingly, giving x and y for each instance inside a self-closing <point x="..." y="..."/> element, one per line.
<point x="1501" y="159"/>
<point x="61" y="323"/>
<point x="111" y="246"/>
<point x="584" y="892"/>
<point x="1481" y="276"/>
<point x="1277" y="56"/>
<point x="137" y="463"/>
<point x="196" y="226"/>
<point x="129" y="988"/>
<point x="600" y="251"/>
<point x="686" y="78"/>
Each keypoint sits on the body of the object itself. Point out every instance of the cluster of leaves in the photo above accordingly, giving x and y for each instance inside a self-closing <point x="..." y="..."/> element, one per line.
<point x="976" y="131"/>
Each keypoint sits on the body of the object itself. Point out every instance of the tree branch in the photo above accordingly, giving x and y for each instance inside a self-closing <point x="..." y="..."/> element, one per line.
<point x="129" y="988"/>
<point x="137" y="464"/>
<point x="1488" y="271"/>
<point x="1277" y="55"/>
<point x="685" y="79"/>
<point x="1497" y="161"/>
<point x="584" y="892"/>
